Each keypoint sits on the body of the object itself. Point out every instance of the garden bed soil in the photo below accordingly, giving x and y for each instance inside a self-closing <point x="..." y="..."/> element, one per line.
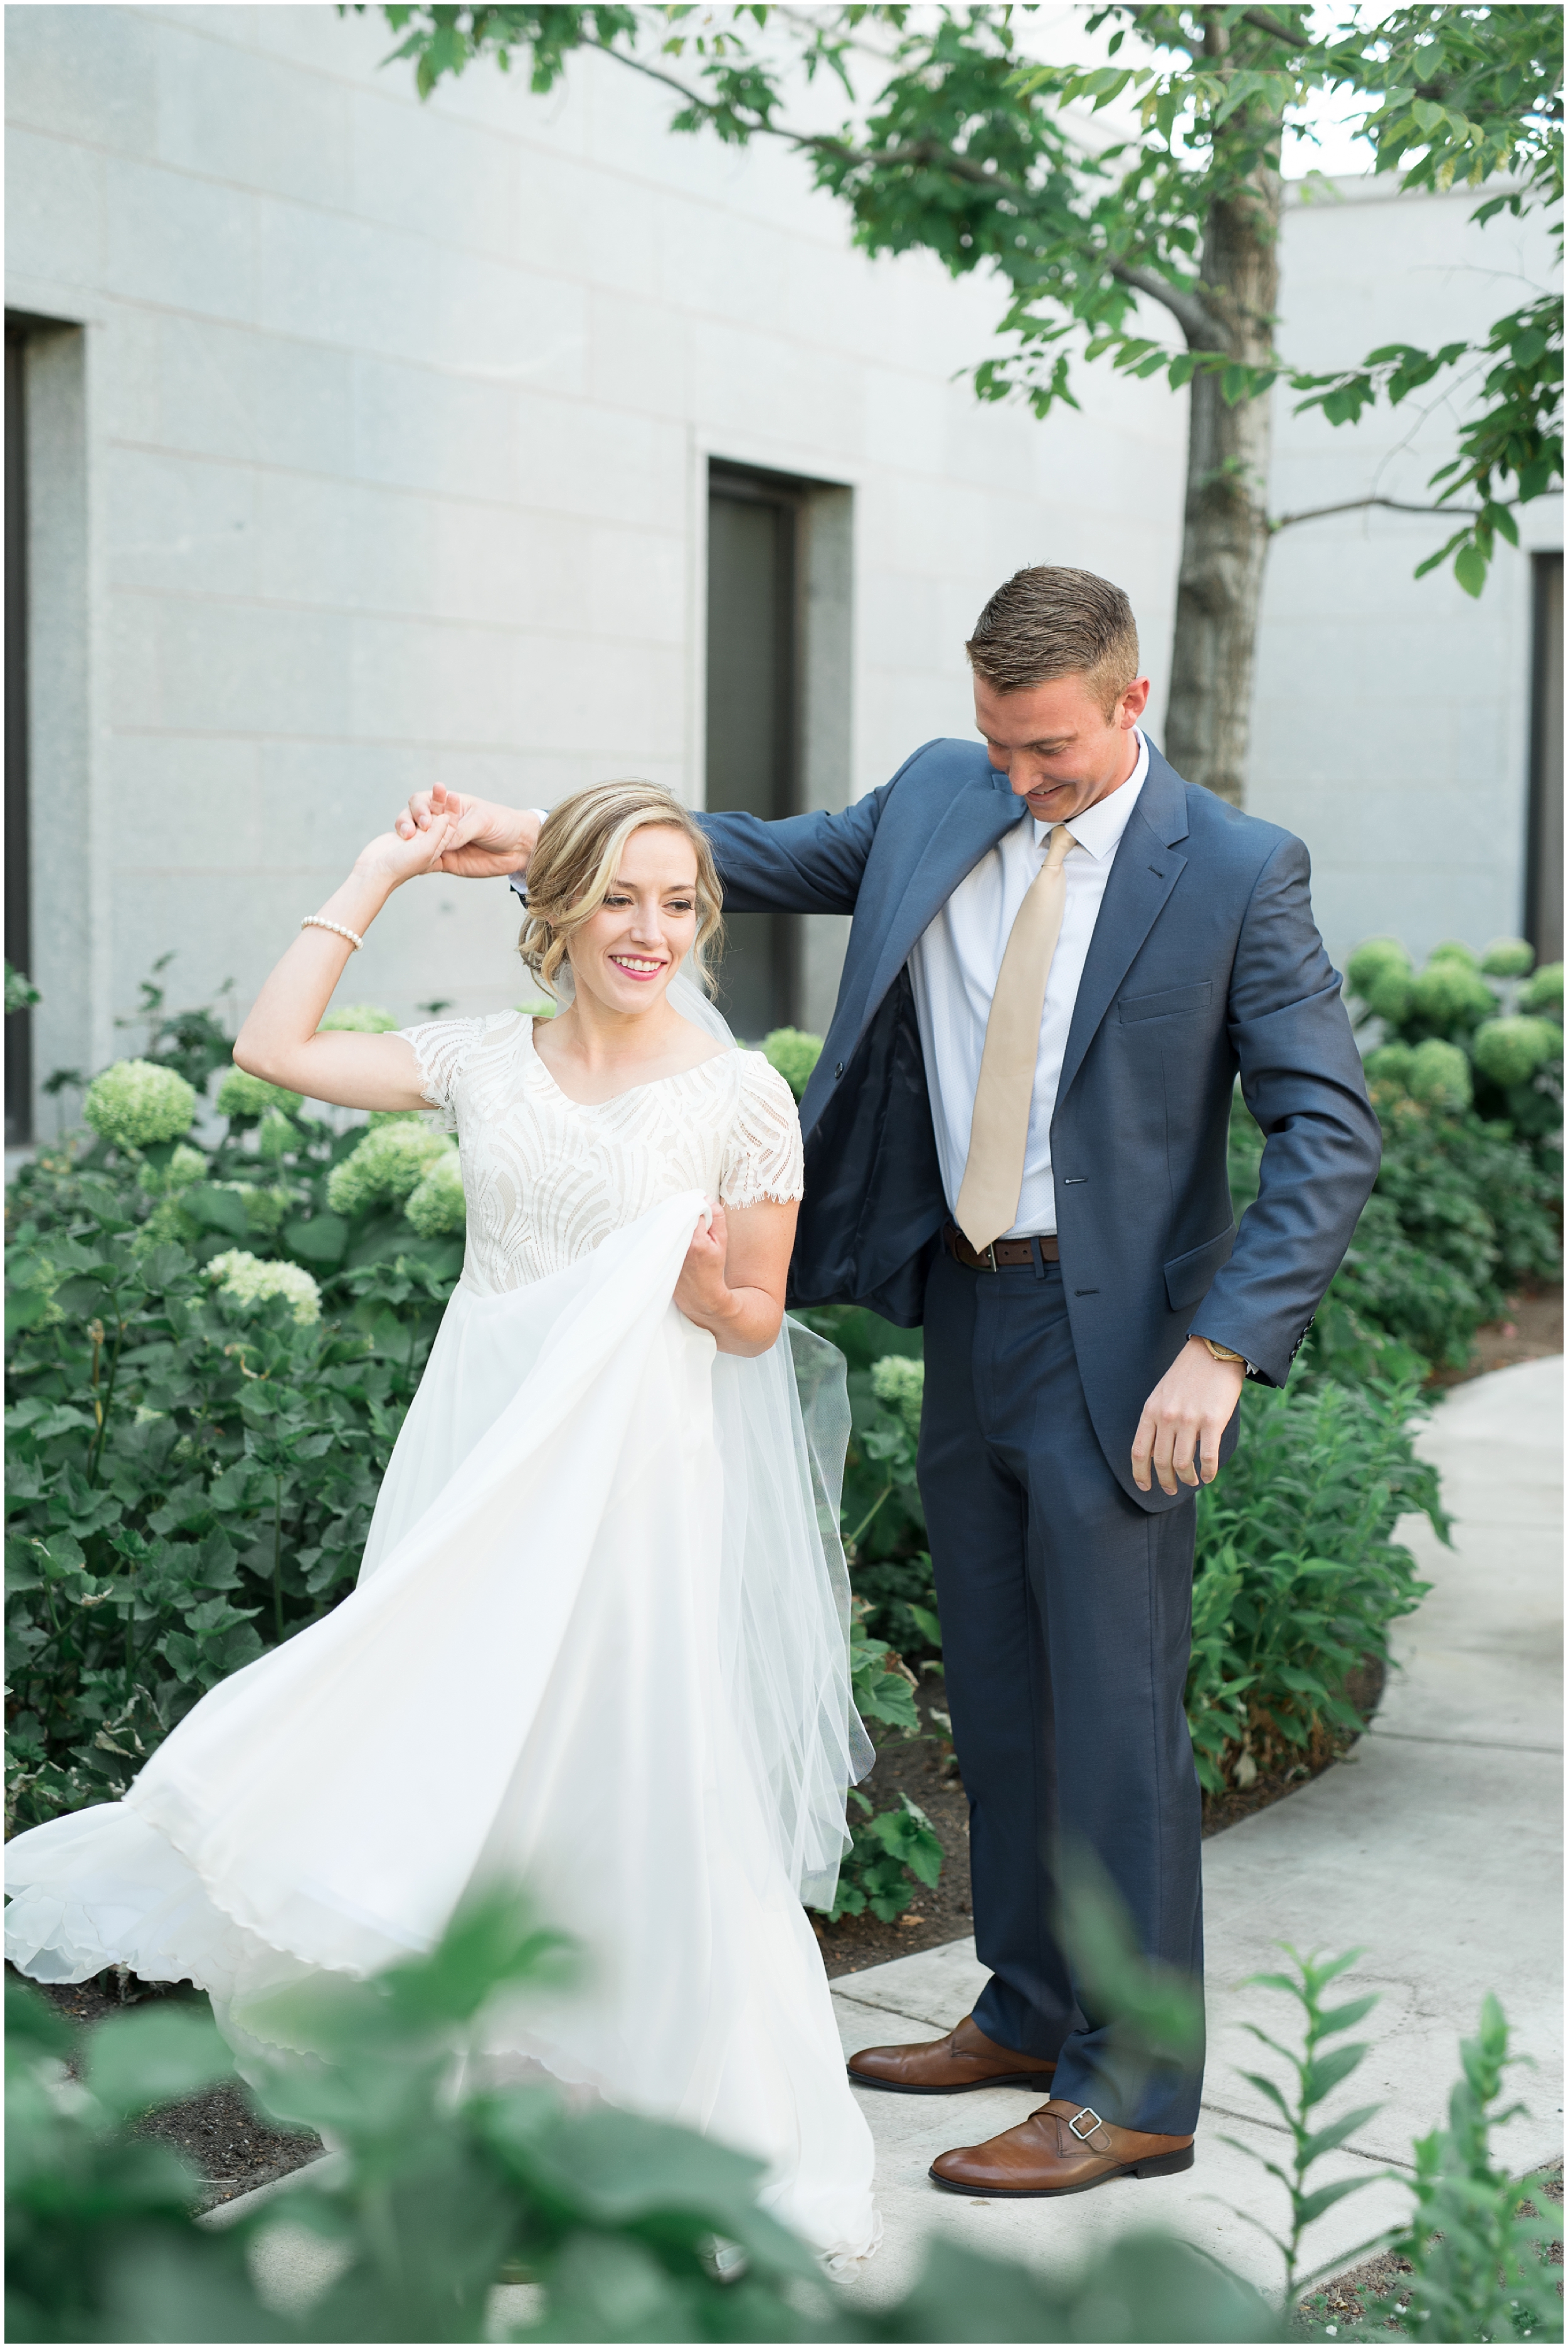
<point x="1341" y="2304"/>
<point x="216" y="2131"/>
<point x="1532" y="1329"/>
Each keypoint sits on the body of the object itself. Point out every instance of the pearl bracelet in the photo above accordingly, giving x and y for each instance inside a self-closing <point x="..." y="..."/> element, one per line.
<point x="319" y="921"/>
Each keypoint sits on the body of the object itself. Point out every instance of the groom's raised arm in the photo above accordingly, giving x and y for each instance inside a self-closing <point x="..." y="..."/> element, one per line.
<point x="797" y="864"/>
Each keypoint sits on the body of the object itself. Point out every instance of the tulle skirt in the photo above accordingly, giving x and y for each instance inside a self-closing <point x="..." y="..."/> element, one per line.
<point x="596" y="1648"/>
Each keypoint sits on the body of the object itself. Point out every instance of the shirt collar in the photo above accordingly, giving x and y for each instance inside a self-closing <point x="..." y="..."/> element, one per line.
<point x="1098" y="829"/>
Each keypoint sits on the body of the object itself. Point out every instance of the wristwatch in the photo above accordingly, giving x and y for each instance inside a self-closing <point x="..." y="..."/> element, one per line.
<point x="1225" y="1354"/>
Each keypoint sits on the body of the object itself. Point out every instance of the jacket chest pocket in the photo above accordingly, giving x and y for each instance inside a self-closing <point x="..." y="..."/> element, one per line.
<point x="1170" y="1004"/>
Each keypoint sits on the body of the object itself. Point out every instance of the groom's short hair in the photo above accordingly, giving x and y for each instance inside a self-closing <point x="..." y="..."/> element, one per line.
<point x="1049" y="622"/>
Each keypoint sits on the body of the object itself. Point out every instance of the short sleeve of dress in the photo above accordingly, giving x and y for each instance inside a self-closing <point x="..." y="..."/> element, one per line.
<point x="442" y="1047"/>
<point x="763" y="1159"/>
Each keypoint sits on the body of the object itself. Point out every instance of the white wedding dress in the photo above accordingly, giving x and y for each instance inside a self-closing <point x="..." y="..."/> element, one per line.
<point x="597" y="1650"/>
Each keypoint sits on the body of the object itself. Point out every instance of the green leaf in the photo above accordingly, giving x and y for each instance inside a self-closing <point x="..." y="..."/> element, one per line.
<point x="25" y="1308"/>
<point x="44" y="1420"/>
<point x="1329" y="2139"/>
<point x="927" y="1623"/>
<point x="1266" y="2088"/>
<point x="323" y="1241"/>
<point x="135" y="2061"/>
<point x="1469" y="569"/>
<point x="1346" y="2016"/>
<point x="219" y="1210"/>
<point x="1325" y="2072"/>
<point x="1312" y="2205"/>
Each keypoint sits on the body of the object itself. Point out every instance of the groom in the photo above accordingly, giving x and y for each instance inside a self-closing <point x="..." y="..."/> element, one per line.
<point x="1061" y="955"/>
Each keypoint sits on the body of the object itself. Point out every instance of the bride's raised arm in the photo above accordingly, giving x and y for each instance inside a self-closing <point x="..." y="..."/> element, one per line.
<point x="278" y="1040"/>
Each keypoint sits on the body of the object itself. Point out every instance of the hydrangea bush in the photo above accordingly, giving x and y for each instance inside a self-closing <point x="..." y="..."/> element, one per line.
<point x="435" y="1206"/>
<point x="1494" y="1011"/>
<point x="137" y="1104"/>
<point x="243" y="1097"/>
<point x="358" y="1019"/>
<point x="390" y="1163"/>
<point x="254" y="1282"/>
<point x="210" y="1350"/>
<point x="795" y="1054"/>
<point x="208" y="1364"/>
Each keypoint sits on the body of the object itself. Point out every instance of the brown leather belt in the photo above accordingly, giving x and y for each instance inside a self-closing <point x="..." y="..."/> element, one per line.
<point x="1002" y="1255"/>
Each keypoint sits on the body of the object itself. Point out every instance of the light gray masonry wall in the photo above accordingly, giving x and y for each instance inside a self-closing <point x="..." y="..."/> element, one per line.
<point x="1392" y="713"/>
<point x="392" y="451"/>
<point x="398" y="452"/>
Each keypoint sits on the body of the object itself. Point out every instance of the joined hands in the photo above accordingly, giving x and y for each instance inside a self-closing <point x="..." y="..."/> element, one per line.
<point x="483" y="839"/>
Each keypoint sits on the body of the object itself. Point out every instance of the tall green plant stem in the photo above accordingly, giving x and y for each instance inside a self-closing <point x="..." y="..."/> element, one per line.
<point x="1318" y="2070"/>
<point x="104" y="1408"/>
<point x="850" y="1539"/>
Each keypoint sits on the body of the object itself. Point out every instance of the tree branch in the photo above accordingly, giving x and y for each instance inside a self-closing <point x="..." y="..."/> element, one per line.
<point x="1203" y="330"/>
<point x="1354" y="505"/>
<point x="1197" y="320"/>
<point x="1262" y="22"/>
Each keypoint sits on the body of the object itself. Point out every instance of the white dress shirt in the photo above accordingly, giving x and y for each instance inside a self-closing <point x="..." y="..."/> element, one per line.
<point x="954" y="965"/>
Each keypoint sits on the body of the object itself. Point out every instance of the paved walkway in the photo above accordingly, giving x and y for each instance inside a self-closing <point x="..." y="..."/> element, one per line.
<point x="1436" y="1847"/>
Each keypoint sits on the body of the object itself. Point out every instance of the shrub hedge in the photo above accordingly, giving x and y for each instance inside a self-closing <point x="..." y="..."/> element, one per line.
<point x="211" y="1344"/>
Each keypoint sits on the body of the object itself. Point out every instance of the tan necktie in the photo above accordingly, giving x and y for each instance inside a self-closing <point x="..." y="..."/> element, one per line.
<point x="993" y="1171"/>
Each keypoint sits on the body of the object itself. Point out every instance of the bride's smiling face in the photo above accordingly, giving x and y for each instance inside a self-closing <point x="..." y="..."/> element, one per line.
<point x="628" y="953"/>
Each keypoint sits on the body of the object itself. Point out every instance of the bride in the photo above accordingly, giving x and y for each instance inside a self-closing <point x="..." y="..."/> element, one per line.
<point x="598" y="1643"/>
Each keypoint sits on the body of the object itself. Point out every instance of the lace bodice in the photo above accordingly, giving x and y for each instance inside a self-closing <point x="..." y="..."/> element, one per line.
<point x="547" y="1178"/>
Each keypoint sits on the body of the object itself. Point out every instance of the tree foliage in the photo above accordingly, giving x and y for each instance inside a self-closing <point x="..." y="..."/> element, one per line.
<point x="966" y="148"/>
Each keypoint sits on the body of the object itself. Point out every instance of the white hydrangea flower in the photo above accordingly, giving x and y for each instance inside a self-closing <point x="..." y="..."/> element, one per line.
<point x="389" y="1163"/>
<point x="240" y="1095"/>
<point x="358" y="1019"/>
<point x="436" y="1205"/>
<point x="186" y="1165"/>
<point x="900" y="1381"/>
<point x="253" y="1279"/>
<point x="136" y="1103"/>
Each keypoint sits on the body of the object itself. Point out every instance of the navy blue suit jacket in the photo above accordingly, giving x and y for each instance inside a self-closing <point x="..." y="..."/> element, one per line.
<point x="1205" y="960"/>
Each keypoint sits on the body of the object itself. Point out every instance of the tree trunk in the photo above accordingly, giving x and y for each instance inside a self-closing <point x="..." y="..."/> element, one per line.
<point x="1225" y="536"/>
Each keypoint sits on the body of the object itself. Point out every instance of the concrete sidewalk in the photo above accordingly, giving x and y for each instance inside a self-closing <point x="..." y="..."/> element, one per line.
<point x="1435" y="1846"/>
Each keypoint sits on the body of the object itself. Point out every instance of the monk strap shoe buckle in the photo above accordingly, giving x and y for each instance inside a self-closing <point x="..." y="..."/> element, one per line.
<point x="1084" y="2124"/>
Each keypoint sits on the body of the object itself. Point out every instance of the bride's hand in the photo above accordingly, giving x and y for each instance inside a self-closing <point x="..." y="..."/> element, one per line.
<point x="703" y="1292"/>
<point x="485" y="839"/>
<point x="390" y="859"/>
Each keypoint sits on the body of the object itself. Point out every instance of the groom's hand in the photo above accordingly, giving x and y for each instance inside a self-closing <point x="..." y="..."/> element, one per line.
<point x="486" y="839"/>
<point x="1179" y="1433"/>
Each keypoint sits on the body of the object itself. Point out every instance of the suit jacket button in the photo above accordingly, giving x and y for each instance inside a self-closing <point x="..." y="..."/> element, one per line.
<point x="838" y="1068"/>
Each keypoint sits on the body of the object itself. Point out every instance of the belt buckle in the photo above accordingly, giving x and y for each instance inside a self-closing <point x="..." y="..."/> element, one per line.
<point x="1094" y="2119"/>
<point x="990" y="1256"/>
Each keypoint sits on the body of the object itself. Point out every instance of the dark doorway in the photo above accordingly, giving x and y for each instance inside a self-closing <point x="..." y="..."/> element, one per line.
<point x="18" y="940"/>
<point x="753" y="761"/>
<point x="1544" y="865"/>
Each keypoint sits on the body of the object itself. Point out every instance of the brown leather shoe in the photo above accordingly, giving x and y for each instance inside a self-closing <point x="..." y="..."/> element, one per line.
<point x="948" y="2066"/>
<point x="1061" y="2149"/>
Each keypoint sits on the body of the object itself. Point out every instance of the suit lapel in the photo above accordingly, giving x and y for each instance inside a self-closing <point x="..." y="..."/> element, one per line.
<point x="973" y="823"/>
<point x="1146" y="867"/>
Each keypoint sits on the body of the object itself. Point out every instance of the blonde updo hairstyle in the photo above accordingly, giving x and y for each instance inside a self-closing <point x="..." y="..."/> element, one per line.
<point x="571" y="870"/>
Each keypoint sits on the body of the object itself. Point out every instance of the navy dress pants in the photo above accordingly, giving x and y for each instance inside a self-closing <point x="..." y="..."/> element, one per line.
<point x="1066" y="1624"/>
